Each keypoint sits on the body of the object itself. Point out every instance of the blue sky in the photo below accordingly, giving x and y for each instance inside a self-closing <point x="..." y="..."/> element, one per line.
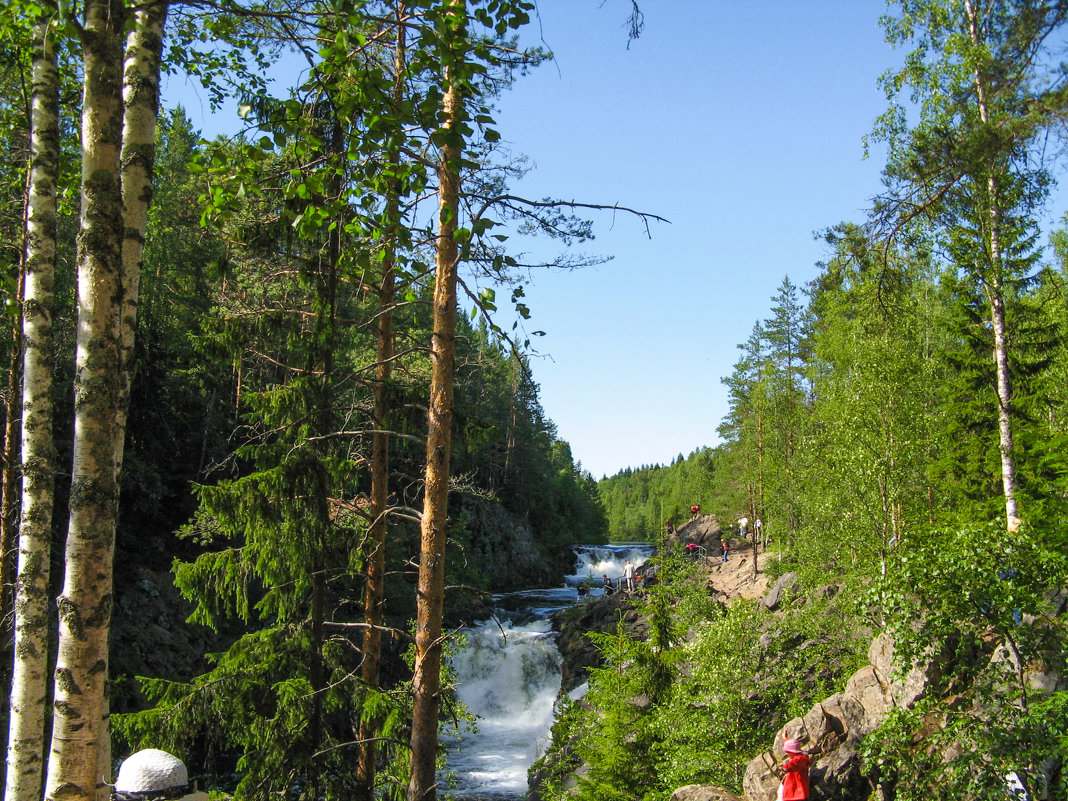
<point x="741" y="122"/>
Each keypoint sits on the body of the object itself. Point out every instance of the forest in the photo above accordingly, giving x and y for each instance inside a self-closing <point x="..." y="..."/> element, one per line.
<point x="282" y="380"/>
<point x="898" y="425"/>
<point x="241" y="361"/>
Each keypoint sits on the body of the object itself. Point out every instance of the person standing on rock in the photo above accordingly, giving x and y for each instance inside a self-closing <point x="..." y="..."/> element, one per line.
<point x="628" y="574"/>
<point x="694" y="511"/>
<point x="794" y="785"/>
<point x="726" y="549"/>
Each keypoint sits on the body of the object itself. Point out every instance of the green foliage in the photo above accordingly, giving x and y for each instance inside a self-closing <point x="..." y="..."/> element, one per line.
<point x="703" y="693"/>
<point x="974" y="603"/>
<point x="261" y="689"/>
<point x="639" y="502"/>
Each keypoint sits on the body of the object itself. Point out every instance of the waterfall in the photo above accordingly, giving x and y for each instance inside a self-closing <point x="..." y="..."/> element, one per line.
<point x="594" y="561"/>
<point x="508" y="676"/>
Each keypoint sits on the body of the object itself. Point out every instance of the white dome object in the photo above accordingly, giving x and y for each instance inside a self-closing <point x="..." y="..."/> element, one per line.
<point x="151" y="770"/>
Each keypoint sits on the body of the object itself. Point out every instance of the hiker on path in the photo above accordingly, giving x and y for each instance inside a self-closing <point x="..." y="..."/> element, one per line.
<point x="726" y="550"/>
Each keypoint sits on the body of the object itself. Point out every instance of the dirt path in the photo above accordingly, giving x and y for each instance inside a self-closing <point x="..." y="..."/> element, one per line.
<point x="735" y="578"/>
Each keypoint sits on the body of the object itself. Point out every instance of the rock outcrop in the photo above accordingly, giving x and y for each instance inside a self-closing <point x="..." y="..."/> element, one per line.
<point x="503" y="548"/>
<point x="704" y="531"/>
<point x="834" y="728"/>
<point x="785" y="587"/>
<point x="700" y="792"/>
<point x="579" y="654"/>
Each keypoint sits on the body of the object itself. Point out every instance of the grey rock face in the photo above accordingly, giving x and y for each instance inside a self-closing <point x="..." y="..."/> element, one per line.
<point x="833" y="729"/>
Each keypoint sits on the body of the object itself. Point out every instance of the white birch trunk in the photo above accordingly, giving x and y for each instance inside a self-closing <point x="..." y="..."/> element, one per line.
<point x="140" y="96"/>
<point x="29" y="677"/>
<point x="74" y="769"/>
<point x="992" y="285"/>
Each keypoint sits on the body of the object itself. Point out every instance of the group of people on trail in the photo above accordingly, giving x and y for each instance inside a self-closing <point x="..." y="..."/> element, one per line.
<point x="695" y="551"/>
<point x="633" y="579"/>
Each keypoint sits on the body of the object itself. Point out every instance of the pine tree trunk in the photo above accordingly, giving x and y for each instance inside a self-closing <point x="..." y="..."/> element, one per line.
<point x="29" y="681"/>
<point x="374" y="589"/>
<point x="74" y="769"/>
<point x="426" y="682"/>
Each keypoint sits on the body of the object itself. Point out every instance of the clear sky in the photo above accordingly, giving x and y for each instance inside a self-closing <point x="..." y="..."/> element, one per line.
<point x="741" y="122"/>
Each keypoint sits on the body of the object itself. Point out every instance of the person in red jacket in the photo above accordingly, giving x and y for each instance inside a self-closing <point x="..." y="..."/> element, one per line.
<point x="794" y="785"/>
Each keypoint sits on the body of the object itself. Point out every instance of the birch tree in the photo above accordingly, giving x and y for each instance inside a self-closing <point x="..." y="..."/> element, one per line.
<point x="116" y="145"/>
<point x="85" y="602"/>
<point x="978" y="74"/>
<point x="26" y="725"/>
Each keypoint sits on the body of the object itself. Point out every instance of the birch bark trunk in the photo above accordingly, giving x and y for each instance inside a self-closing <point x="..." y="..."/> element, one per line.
<point x="74" y="769"/>
<point x="140" y="96"/>
<point x="29" y="680"/>
<point x="992" y="285"/>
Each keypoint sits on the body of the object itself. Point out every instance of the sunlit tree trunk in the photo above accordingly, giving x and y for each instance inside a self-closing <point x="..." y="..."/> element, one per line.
<point x="140" y="94"/>
<point x="374" y="589"/>
<point x="426" y="682"/>
<point x="29" y="680"/>
<point x="84" y="607"/>
<point x="992" y="286"/>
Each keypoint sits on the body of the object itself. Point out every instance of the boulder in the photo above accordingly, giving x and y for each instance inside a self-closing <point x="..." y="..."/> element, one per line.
<point x="832" y="730"/>
<point x="780" y="590"/>
<point x="700" y="792"/>
<point x="704" y="531"/>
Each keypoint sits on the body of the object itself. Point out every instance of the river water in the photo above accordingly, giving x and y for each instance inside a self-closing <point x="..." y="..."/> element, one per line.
<point x="508" y="675"/>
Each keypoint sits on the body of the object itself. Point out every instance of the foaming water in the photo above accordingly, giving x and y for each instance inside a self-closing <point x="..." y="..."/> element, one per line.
<point x="509" y="676"/>
<point x="594" y="561"/>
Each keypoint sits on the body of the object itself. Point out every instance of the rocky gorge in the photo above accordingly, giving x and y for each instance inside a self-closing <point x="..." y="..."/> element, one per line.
<point x="832" y="731"/>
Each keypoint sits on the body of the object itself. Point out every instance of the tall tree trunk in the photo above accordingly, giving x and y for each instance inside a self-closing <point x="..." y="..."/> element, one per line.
<point x="29" y="681"/>
<point x="140" y="95"/>
<point x="426" y="682"/>
<point x="74" y="769"/>
<point x="374" y="589"/>
<point x="10" y="490"/>
<point x="1004" y="389"/>
<point x="995" y="299"/>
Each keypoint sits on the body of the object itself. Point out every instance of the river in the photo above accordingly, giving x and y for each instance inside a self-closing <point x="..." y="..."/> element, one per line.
<point x="508" y="675"/>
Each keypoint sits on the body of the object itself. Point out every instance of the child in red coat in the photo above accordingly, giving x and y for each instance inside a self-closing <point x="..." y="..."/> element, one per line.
<point x="794" y="785"/>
